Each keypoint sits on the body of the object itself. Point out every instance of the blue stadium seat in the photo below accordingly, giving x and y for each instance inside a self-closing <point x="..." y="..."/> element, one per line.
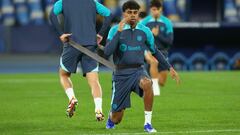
<point x="182" y="8"/>
<point x="233" y="60"/>
<point x="238" y="8"/>
<point x="198" y="61"/>
<point x="36" y="12"/>
<point x="2" y="45"/>
<point x="230" y="11"/>
<point x="170" y="9"/>
<point x="48" y="6"/>
<point x="220" y="61"/>
<point x="21" y="12"/>
<point x="0" y="13"/>
<point x="8" y="17"/>
<point x="178" y="61"/>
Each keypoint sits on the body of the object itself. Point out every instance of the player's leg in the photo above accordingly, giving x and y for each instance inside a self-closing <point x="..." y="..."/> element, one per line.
<point x="93" y="81"/>
<point x="153" y="70"/>
<point x="66" y="83"/>
<point x="121" y="91"/>
<point x="162" y="77"/>
<point x="163" y="70"/>
<point x="90" y="69"/>
<point x="146" y="86"/>
<point x="68" y="63"/>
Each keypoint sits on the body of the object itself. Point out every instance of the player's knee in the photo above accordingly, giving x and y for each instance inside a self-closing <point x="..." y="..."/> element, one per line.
<point x="146" y="83"/>
<point x="162" y="84"/>
<point x="92" y="78"/>
<point x="63" y="73"/>
<point x="154" y="62"/>
<point x="93" y="83"/>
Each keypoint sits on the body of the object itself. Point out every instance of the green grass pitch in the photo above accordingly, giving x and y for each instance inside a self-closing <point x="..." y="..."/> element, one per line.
<point x="206" y="103"/>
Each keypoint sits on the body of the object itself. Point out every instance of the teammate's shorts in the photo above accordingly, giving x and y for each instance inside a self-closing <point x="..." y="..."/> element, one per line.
<point x="124" y="82"/>
<point x="163" y="67"/>
<point x="71" y="57"/>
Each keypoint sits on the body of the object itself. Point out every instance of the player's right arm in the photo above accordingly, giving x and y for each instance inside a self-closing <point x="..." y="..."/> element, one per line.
<point x="113" y="38"/>
<point x="112" y="41"/>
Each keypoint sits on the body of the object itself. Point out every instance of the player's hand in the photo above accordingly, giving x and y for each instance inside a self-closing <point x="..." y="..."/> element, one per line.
<point x="65" y="37"/>
<point x="174" y="75"/>
<point x="121" y="25"/>
<point x="155" y="30"/>
<point x="99" y="39"/>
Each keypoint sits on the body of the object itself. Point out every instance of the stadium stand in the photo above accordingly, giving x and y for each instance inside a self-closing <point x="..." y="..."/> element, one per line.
<point x="220" y="61"/>
<point x="178" y="61"/>
<point x="198" y="61"/>
<point x="31" y="18"/>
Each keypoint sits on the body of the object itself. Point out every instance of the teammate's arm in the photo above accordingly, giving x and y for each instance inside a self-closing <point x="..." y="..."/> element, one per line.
<point x="56" y="10"/>
<point x="167" y="38"/>
<point x="103" y="11"/>
<point x="150" y="40"/>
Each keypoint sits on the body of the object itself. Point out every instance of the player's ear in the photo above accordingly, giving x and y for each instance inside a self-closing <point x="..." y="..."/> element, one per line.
<point x="160" y="9"/>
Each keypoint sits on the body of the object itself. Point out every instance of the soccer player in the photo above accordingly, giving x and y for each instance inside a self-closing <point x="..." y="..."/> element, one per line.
<point x="162" y="30"/>
<point x="129" y="42"/>
<point x="80" y="26"/>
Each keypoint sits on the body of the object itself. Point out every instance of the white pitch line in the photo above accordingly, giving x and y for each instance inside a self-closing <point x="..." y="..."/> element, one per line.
<point x="34" y="80"/>
<point x="180" y="132"/>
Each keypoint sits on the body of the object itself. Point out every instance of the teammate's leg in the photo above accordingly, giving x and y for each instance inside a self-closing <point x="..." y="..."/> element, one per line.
<point x="68" y="63"/>
<point x="90" y="69"/>
<point x="93" y="81"/>
<point x="162" y="77"/>
<point x="153" y="70"/>
<point x="146" y="86"/>
<point x="68" y="87"/>
<point x="66" y="83"/>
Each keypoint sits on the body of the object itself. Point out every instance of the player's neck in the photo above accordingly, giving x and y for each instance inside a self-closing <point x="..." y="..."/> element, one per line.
<point x="157" y="16"/>
<point x="133" y="26"/>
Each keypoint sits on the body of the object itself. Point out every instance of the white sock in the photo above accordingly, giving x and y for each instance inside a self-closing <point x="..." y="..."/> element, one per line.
<point x="70" y="93"/>
<point x="156" y="87"/>
<point x="98" y="104"/>
<point x="148" y="117"/>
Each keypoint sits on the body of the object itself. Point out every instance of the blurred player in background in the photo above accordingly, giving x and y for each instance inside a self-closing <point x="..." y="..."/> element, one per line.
<point x="142" y="15"/>
<point x="162" y="30"/>
<point x="80" y="26"/>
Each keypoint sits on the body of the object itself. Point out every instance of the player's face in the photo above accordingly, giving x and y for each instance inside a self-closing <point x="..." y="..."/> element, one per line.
<point x="156" y="12"/>
<point x="131" y="16"/>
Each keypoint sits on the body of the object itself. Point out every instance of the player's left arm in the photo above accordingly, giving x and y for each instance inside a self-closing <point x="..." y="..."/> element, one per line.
<point x="166" y="38"/>
<point x="159" y="56"/>
<point x="105" y="12"/>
